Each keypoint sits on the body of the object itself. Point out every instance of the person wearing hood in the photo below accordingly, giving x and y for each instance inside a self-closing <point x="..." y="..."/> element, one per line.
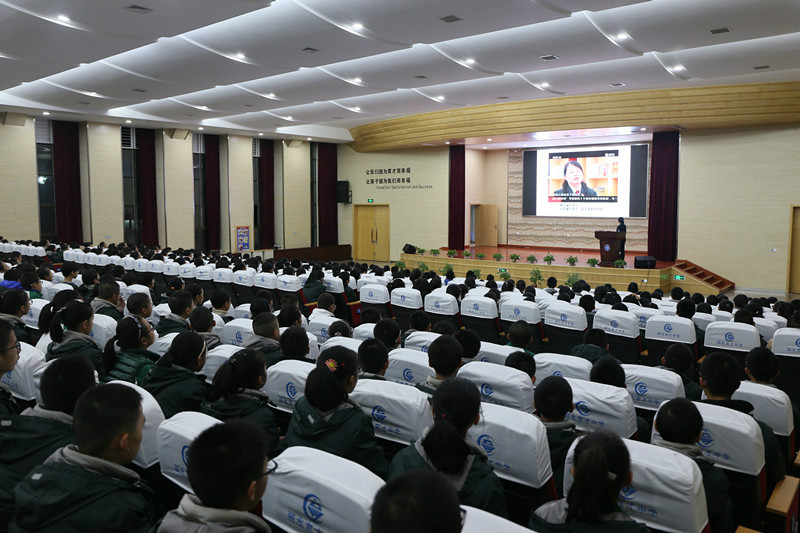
<point x="202" y="320"/>
<point x="455" y="405"/>
<point x="134" y="335"/>
<point x="328" y="420"/>
<point x="173" y="380"/>
<point x="15" y="304"/>
<point x="177" y="320"/>
<point x="83" y="486"/>
<point x="11" y="279"/>
<point x="70" y="331"/>
<point x="266" y="338"/>
<point x="109" y="302"/>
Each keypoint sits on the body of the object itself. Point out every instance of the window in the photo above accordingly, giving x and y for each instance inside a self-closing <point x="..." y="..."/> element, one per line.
<point x="132" y="222"/>
<point x="199" y="166"/>
<point x="314" y="214"/>
<point x="255" y="235"/>
<point x="45" y="180"/>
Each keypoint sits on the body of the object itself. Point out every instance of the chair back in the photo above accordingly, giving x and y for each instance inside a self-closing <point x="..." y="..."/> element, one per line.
<point x="420" y="340"/>
<point x="600" y="406"/>
<point x="500" y="385"/>
<point x="20" y="381"/>
<point x="567" y="366"/>
<point x="650" y="386"/>
<point x="237" y="331"/>
<point x="409" y="367"/>
<point x="147" y="455"/>
<point x="174" y="438"/>
<point x="398" y="413"/>
<point x="286" y="383"/>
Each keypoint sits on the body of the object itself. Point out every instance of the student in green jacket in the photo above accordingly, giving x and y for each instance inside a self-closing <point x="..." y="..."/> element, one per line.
<point x="174" y="381"/>
<point x="680" y="425"/>
<point x="326" y="419"/>
<point x="177" y="321"/>
<point x="602" y="468"/>
<point x="594" y="346"/>
<point x="421" y="500"/>
<point x="236" y="393"/>
<point x="109" y="302"/>
<point x="202" y="320"/>
<point x="15" y="304"/>
<point x="678" y="357"/>
<point x="314" y="286"/>
<point x="445" y="356"/>
<point x="30" y="438"/>
<point x="373" y="358"/>
<point x="520" y="335"/>
<point x="553" y="400"/>
<point x="762" y="366"/>
<point x="9" y="356"/>
<point x="133" y="336"/>
<point x="84" y="486"/>
<point x="455" y="405"/>
<point x="266" y="338"/>
<point x="609" y="371"/>
<point x="70" y="329"/>
<point x="32" y="285"/>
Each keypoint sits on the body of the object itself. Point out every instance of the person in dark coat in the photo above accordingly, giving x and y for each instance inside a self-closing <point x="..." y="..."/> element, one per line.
<point x="9" y="356"/>
<point x="134" y="335"/>
<point x="177" y="321"/>
<point x="553" y="400"/>
<point x="70" y="330"/>
<point x="173" y="380"/>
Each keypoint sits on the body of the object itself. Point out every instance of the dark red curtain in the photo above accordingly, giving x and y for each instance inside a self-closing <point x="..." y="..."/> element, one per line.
<point x="327" y="208"/>
<point x="212" y="191"/>
<point x="67" y="175"/>
<point x="457" y="198"/>
<point x="662" y="227"/>
<point x="266" y="193"/>
<point x="146" y="166"/>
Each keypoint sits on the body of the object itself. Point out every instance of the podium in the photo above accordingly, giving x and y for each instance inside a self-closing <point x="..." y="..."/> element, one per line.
<point x="609" y="246"/>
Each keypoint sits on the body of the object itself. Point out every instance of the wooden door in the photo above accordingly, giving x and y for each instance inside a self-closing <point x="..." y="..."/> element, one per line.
<point x="794" y="252"/>
<point x="485" y="225"/>
<point x="371" y="233"/>
<point x="382" y="236"/>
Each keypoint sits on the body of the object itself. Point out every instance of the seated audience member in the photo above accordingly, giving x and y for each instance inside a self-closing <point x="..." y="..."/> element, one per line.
<point x="9" y="356"/>
<point x="173" y="380"/>
<point x="87" y="290"/>
<point x="327" y="419"/>
<point x="602" y="468"/>
<point x="289" y="316"/>
<point x="224" y="497"/>
<point x="762" y="367"/>
<point x="198" y="297"/>
<point x="552" y="400"/>
<point x="594" y="345"/>
<point x="109" y="302"/>
<point x="134" y="335"/>
<point x="552" y="282"/>
<point x="418" y="321"/>
<point x="32" y="285"/>
<point x="11" y="279"/>
<point x="456" y="406"/>
<point x="609" y="371"/>
<point x="29" y="439"/>
<point x="202" y="320"/>
<point x="221" y="302"/>
<point x="70" y="329"/>
<point x="265" y="338"/>
<point x="369" y="317"/>
<point x="45" y="272"/>
<point x="290" y="300"/>
<point x="177" y="320"/>
<point x="524" y="362"/>
<point x="719" y="379"/>
<point x="520" y="336"/>
<point x="326" y="305"/>
<point x="70" y="270"/>
<point x="262" y="303"/>
<point x="680" y="425"/>
<point x="148" y="280"/>
<point x="139" y="304"/>
<point x="236" y="393"/>
<point x="470" y="343"/>
<point x="443" y="327"/>
<point x="84" y="486"/>
<point x="15" y="304"/>
<point x="587" y="303"/>
<point x="445" y="357"/>
<point x="387" y="331"/>
<point x="294" y="344"/>
<point x="678" y="358"/>
<point x="419" y="501"/>
<point x="314" y="286"/>
<point x="677" y="294"/>
<point x="725" y="305"/>
<point x="373" y="358"/>
<point x="340" y="328"/>
<point x="686" y="309"/>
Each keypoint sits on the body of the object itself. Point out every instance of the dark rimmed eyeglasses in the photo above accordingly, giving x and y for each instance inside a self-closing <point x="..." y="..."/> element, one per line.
<point x="272" y="466"/>
<point x="16" y="346"/>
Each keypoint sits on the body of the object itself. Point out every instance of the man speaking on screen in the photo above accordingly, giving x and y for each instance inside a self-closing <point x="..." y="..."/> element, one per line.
<point x="573" y="184"/>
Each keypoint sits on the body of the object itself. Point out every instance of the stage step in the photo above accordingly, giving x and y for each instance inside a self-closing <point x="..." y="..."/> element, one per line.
<point x="707" y="277"/>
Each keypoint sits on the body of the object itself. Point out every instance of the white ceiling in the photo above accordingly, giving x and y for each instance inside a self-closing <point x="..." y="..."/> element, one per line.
<point x="318" y="67"/>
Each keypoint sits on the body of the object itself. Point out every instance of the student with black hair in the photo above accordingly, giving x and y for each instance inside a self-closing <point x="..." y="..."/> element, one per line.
<point x="340" y="328"/>
<point x="236" y="394"/>
<point x="677" y="294"/>
<point x="445" y="356"/>
<point x="387" y="330"/>
<point x="173" y="380"/>
<point x="40" y="430"/>
<point x="719" y="379"/>
<point x="326" y="419"/>
<point x="84" y="486"/>
<point x="70" y="270"/>
<point x="609" y="371"/>
<point x="177" y="320"/>
<point x="289" y="316"/>
<point x="294" y="344"/>
<point x="11" y="279"/>
<point x="762" y="366"/>
<point x="9" y="356"/>
<point x="520" y="336"/>
<point x="139" y="304"/>
<point x="552" y="400"/>
<point x="418" y="321"/>
<point x="524" y="362"/>
<point x="594" y="346"/>
<point x="134" y="336"/>
<point x="265" y="338"/>
<point x="290" y="300"/>
<point x="373" y="358"/>
<point x="678" y="358"/>
<point x="470" y="343"/>
<point x="31" y="284"/>
<point x="419" y="501"/>
<point x="587" y="302"/>
<point x="725" y="305"/>
<point x="221" y="302"/>
<point x="262" y="303"/>
<point x="108" y="302"/>
<point x="313" y="286"/>
<point x="680" y="426"/>
<point x="552" y="282"/>
<point x="443" y="327"/>
<point x="443" y="448"/>
<point x="602" y="468"/>
<point x="69" y="331"/>
<point x="198" y="296"/>
<point x="326" y="305"/>
<point x="202" y="320"/>
<point x="149" y="280"/>
<point x="15" y="304"/>
<point x="87" y="289"/>
<point x="686" y="309"/>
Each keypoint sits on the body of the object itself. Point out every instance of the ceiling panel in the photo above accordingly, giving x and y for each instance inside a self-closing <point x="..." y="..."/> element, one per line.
<point x="307" y="84"/>
<point x="401" y="101"/>
<point x="229" y="99"/>
<point x="108" y="81"/>
<point x="316" y="112"/>
<point x="494" y="90"/>
<point x="173" y="110"/>
<point x="13" y="72"/>
<point x="53" y="96"/>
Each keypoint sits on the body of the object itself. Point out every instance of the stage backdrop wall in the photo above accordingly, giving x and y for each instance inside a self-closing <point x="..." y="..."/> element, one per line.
<point x="487" y="183"/>
<point x="561" y="232"/>
<point x="737" y="187"/>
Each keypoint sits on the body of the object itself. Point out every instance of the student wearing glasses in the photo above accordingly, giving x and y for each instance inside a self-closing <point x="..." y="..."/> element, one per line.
<point x="9" y="355"/>
<point x="134" y="336"/>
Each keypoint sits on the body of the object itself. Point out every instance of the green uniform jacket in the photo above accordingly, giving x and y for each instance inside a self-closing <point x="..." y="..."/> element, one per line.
<point x="347" y="433"/>
<point x="273" y="355"/>
<point x="609" y="526"/>
<point x="85" y="347"/>
<point x="166" y="326"/>
<point x="312" y="290"/>
<point x="590" y="352"/>
<point x="253" y="408"/>
<point x="175" y="389"/>
<point x="64" y="498"/>
<point x="560" y="436"/>
<point x="350" y="294"/>
<point x="481" y="489"/>
<point x="8" y="404"/>
<point x="691" y="389"/>
<point x="23" y="332"/>
<point x="131" y="366"/>
<point x="110" y="311"/>
<point x="718" y="500"/>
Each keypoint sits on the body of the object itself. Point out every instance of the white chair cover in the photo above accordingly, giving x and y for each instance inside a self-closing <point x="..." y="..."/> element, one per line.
<point x="333" y="285"/>
<point x="223" y="275"/>
<point x="600" y="406"/>
<point x="243" y="278"/>
<point x="643" y="314"/>
<point x="127" y="262"/>
<point x="671" y="329"/>
<point x="242" y="311"/>
<point x="620" y="323"/>
<point x="374" y="294"/>
<point x="187" y="270"/>
<point x="162" y="344"/>
<point x="204" y="273"/>
<point x="495" y="353"/>
<point x="441" y="304"/>
<point x="420" y="340"/>
<point x="20" y="381"/>
<point x="500" y="385"/>
<point x="649" y="386"/>
<point x="347" y="342"/>
<point x="156" y="266"/>
<point x="215" y="358"/>
<point x="702" y="320"/>
<point x="48" y="293"/>
<point x="141" y="265"/>
<point x="408" y="367"/>
<point x="91" y="259"/>
<point x="566" y="316"/>
<point x="398" y="413"/>
<point x="513" y="310"/>
<point x="286" y="383"/>
<point x="172" y="269"/>
<point x="32" y="318"/>
<point x="363" y="331"/>
<point x="174" y="438"/>
<point x="266" y="280"/>
<point x="772" y="406"/>
<point x="480" y="521"/>
<point x="478" y="307"/>
<point x="237" y="331"/>
<point x="766" y="327"/>
<point x="408" y="298"/>
<point x="148" y="454"/>
<point x="733" y="336"/>
<point x="319" y="327"/>
<point x="567" y="366"/>
<point x="289" y="283"/>
<point x="136" y="287"/>
<point x="786" y="342"/>
<point x="722" y="315"/>
<point x="103" y="328"/>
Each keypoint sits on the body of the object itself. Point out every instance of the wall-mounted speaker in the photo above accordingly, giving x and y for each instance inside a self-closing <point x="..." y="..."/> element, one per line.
<point x="343" y="192"/>
<point x="409" y="249"/>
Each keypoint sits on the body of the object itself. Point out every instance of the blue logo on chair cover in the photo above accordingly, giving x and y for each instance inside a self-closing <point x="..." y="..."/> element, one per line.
<point x="706" y="440"/>
<point x="640" y="388"/>
<point x="628" y="493"/>
<point x="291" y="390"/>
<point x="312" y="506"/>
<point x="436" y="305"/>
<point x="378" y="413"/>
<point x="516" y="311"/>
<point x="797" y="342"/>
<point x="408" y="375"/>
<point x="558" y="373"/>
<point x="402" y="297"/>
<point x="285" y="283"/>
<point x="642" y="320"/>
<point x="238" y="336"/>
<point x="583" y="408"/>
<point x="184" y="450"/>
<point x="424" y="349"/>
<point x="667" y="327"/>
<point x="371" y="294"/>
<point x="563" y="316"/>
<point x="475" y="306"/>
<point x="614" y="324"/>
<point x="729" y="337"/>
<point x="486" y="442"/>
<point x="487" y="389"/>
<point x="323" y="332"/>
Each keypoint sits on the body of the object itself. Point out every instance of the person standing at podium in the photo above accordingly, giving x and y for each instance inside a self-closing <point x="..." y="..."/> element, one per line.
<point x="624" y="229"/>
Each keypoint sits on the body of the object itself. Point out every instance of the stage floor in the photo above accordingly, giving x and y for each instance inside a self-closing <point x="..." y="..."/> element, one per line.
<point x="560" y="254"/>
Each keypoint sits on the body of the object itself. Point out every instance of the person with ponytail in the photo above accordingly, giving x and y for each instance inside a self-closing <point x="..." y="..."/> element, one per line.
<point x="133" y="336"/>
<point x="48" y="312"/>
<point x="15" y="304"/>
<point x="235" y="393"/>
<point x="328" y="420"/>
<point x="173" y="380"/>
<point x="70" y="329"/>
<point x="601" y="468"/>
<point x="455" y="405"/>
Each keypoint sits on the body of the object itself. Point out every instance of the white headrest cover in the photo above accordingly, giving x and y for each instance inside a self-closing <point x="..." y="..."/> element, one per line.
<point x="347" y="342"/>
<point x="374" y="294"/>
<point x="556" y="364"/>
<point x="364" y="331"/>
<point x="20" y="380"/>
<point x="733" y="336"/>
<point x="187" y="270"/>
<point x="494" y="353"/>
<point x="32" y="318"/>
<point x="649" y="386"/>
<point x="513" y="310"/>
<point x="479" y="307"/>
<point x="643" y="314"/>
<point x="223" y="275"/>
<point x="399" y="413"/>
<point x="566" y="316"/>
<point x="103" y="328"/>
<point x="772" y="406"/>
<point x="48" y="293"/>
<point x="766" y="327"/>
<point x="141" y="265"/>
<point x="286" y="383"/>
<point x="172" y="269"/>
<point x="786" y="341"/>
<point x="162" y="344"/>
<point x="237" y="331"/>
<point x="408" y="367"/>
<point x="319" y="327"/>
<point x="333" y="285"/>
<point x="215" y="358"/>
<point x="174" y="438"/>
<point x="600" y="406"/>
<point x="266" y="280"/>
<point x="408" y="298"/>
<point x="620" y="323"/>
<point x="241" y="311"/>
<point x="703" y="320"/>
<point x="441" y="304"/>
<point x="671" y="329"/>
<point x="480" y="521"/>
<point x="500" y="385"/>
<point x="420" y="340"/>
<point x="156" y="266"/>
<point x="148" y="453"/>
<point x="244" y="278"/>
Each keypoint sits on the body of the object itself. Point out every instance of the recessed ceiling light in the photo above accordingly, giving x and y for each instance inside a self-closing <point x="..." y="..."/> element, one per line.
<point x="642" y="129"/>
<point x="46" y="113"/>
<point x="447" y="142"/>
<point x="63" y="18"/>
<point x="616" y="138"/>
<point x="271" y="95"/>
<point x="289" y="117"/>
<point x="470" y="61"/>
<point x="93" y="94"/>
<point x="677" y="68"/>
<point x="488" y="140"/>
<point x="200" y="128"/>
<point x="356" y="80"/>
<point x="308" y="138"/>
<point x="356" y="108"/>
<point x="240" y="55"/>
<point x="485" y="147"/>
<point x="440" y="98"/>
<point x="260" y="134"/>
<point x="545" y="84"/>
<point x="622" y="36"/>
<point x="204" y="107"/>
<point x="524" y="145"/>
<point x="128" y="121"/>
<point x="358" y="26"/>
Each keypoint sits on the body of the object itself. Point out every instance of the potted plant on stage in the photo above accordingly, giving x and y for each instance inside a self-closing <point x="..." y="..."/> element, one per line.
<point x="445" y="269"/>
<point x="479" y="256"/>
<point x="514" y="258"/>
<point x="536" y="276"/>
<point x="620" y="263"/>
<point x="423" y="267"/>
<point x="572" y="260"/>
<point x="477" y="273"/>
<point x="505" y="276"/>
<point x="572" y="279"/>
<point x="531" y="259"/>
<point x="421" y="251"/>
<point x="548" y="258"/>
<point x="466" y="254"/>
<point x="497" y="257"/>
<point x="592" y="262"/>
<point x="400" y="264"/>
<point x="452" y="253"/>
<point x="434" y="252"/>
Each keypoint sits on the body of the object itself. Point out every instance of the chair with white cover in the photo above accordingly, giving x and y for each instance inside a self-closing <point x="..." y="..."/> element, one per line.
<point x="172" y="269"/>
<point x="702" y="320"/>
<point x="480" y="521"/>
<point x="564" y="325"/>
<point x="516" y="445"/>
<point x="724" y="316"/>
<point x="773" y="407"/>
<point x="20" y="381"/>
<point x="32" y="318"/>
<point x="786" y="345"/>
<point x="187" y="272"/>
<point x="567" y="366"/>
<point x="204" y="276"/>
<point x="49" y="293"/>
<point x="286" y="383"/>
<point x="347" y="342"/>
<point x="500" y="385"/>
<point x="643" y="314"/>
<point x="650" y="386"/>
<point x="138" y="287"/>
<point x="735" y="338"/>
<point x="244" y="286"/>
<point x="350" y="312"/>
<point x="237" y="331"/>
<point x="319" y="327"/>
<point x="766" y="327"/>
<point x="775" y="317"/>
<point x="376" y="296"/>
<point x="291" y="285"/>
<point x="159" y="311"/>
<point x="420" y="340"/>
<point x="242" y="311"/>
<point x="601" y="406"/>
<point x="443" y="306"/>
<point x="663" y="331"/>
<point x="162" y="344"/>
<point x="103" y="328"/>
<point x="223" y="279"/>
<point x="312" y="490"/>
<point x="622" y="333"/>
<point x="174" y="438"/>
<point x="405" y="301"/>
<point x="141" y="265"/>
<point x="364" y="331"/>
<point x="409" y="367"/>
<point x="147" y="455"/>
<point x="490" y="352"/>
<point x="215" y="358"/>
<point x="513" y="310"/>
<point x="667" y="491"/>
<point x="479" y="313"/>
<point x="268" y="281"/>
